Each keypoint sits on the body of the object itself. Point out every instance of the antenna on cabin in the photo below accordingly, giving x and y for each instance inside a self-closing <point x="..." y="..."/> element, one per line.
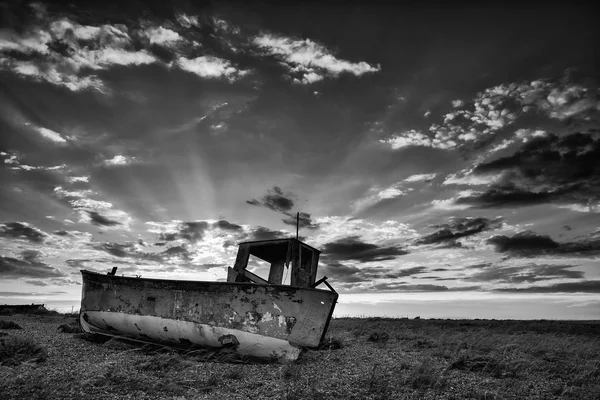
<point x="297" y="223"/>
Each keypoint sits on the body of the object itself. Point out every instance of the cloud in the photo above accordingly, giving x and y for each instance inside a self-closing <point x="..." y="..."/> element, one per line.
<point x="568" y="287"/>
<point x="229" y="226"/>
<point x="22" y="230"/>
<point x="496" y="108"/>
<point x="459" y="227"/>
<point x="193" y="231"/>
<point x="63" y="193"/>
<point x="119" y="160"/>
<point x="74" y="179"/>
<point x="525" y="273"/>
<point x="352" y="248"/>
<point x="51" y="135"/>
<point x="529" y="243"/>
<point x="210" y="67"/>
<point x="304" y="221"/>
<point x="281" y="202"/>
<point x="98" y="219"/>
<point x="27" y="294"/>
<point x="416" y="138"/>
<point x="96" y="212"/>
<point x="501" y="146"/>
<point x="262" y="233"/>
<point x="275" y="200"/>
<point x="405" y="287"/>
<point x="13" y="159"/>
<point x="36" y="282"/>
<point x="30" y="266"/>
<point x="568" y="172"/>
<point x="454" y="203"/>
<point x="522" y="241"/>
<point x="376" y="194"/>
<point x="223" y="232"/>
<point x="307" y="61"/>
<point x="133" y="250"/>
<point x="161" y="36"/>
<point x="334" y="228"/>
<point x="187" y="21"/>
<point x="352" y="274"/>
<point x="420" y="178"/>
<point x="63" y="52"/>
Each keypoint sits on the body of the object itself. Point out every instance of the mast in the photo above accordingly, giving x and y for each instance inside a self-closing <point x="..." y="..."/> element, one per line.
<point x="298" y="243"/>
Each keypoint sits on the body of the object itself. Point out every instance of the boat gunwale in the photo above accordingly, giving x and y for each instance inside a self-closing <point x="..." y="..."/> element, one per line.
<point x="251" y="284"/>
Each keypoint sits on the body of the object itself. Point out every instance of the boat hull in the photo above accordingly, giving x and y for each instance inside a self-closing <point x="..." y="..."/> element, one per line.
<point x="256" y="320"/>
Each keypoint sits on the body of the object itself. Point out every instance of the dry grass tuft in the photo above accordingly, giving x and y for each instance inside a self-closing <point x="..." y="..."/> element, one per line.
<point x="9" y="325"/>
<point x="15" y="350"/>
<point x="70" y="328"/>
<point x="378" y="337"/>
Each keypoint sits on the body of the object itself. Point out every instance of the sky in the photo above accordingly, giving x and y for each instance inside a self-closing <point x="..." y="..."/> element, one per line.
<point x="443" y="158"/>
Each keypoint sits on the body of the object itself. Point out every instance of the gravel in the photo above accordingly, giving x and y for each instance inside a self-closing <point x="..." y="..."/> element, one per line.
<point x="76" y="368"/>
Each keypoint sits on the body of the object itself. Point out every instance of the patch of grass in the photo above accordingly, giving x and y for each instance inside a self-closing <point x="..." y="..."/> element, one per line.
<point x="6" y="312"/>
<point x="14" y="350"/>
<point x="331" y="343"/>
<point x="290" y="372"/>
<point x="235" y="374"/>
<point x="379" y="337"/>
<point x="70" y="328"/>
<point x="9" y="325"/>
<point x="426" y="375"/>
<point x="160" y="362"/>
<point x="119" y="344"/>
<point x="119" y="379"/>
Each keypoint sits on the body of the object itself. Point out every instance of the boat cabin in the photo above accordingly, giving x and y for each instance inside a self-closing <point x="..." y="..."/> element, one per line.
<point x="280" y="253"/>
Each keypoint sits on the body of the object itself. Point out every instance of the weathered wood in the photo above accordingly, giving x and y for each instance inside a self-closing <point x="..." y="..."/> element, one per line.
<point x="241" y="261"/>
<point x="276" y="273"/>
<point x="314" y="265"/>
<point x="317" y="283"/>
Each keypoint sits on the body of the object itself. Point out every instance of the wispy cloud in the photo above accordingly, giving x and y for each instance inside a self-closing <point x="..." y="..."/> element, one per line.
<point x="416" y="138"/>
<point x="51" y="135"/>
<point x="119" y="160"/>
<point x="210" y="67"/>
<point x="420" y="178"/>
<point x="308" y="61"/>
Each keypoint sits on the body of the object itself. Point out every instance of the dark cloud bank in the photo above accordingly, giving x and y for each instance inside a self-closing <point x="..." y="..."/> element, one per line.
<point x="457" y="228"/>
<point x="531" y="244"/>
<point x="545" y="169"/>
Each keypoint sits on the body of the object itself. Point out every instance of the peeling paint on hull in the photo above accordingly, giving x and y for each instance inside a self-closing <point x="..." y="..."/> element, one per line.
<point x="257" y="320"/>
<point x="151" y="329"/>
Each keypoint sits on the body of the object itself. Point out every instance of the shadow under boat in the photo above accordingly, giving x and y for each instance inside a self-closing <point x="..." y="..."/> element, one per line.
<point x="257" y="317"/>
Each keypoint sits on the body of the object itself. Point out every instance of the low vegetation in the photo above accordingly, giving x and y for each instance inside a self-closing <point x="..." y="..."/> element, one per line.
<point x="9" y="325"/>
<point x="374" y="358"/>
<point x="15" y="350"/>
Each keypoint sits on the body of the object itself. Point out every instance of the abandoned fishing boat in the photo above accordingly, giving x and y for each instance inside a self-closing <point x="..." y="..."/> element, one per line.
<point x="255" y="316"/>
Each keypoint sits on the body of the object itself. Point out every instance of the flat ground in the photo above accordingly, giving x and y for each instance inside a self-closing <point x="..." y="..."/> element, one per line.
<point x="379" y="359"/>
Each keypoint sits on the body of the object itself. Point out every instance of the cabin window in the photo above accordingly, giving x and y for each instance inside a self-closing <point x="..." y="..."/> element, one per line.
<point x="258" y="267"/>
<point x="284" y="261"/>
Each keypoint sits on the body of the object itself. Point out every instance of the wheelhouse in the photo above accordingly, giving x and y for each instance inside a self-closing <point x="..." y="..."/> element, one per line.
<point x="279" y="253"/>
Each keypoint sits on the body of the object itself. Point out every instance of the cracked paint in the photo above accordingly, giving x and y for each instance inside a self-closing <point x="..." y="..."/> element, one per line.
<point x="199" y="313"/>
